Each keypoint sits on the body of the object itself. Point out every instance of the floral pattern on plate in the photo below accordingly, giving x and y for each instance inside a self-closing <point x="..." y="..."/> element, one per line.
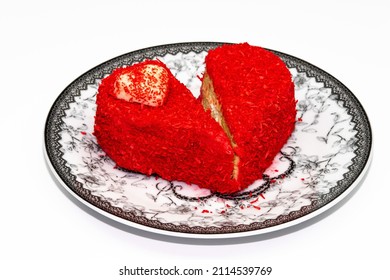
<point x="325" y="155"/>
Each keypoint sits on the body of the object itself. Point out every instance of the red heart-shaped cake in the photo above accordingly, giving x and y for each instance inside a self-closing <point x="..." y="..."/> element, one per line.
<point x="149" y="122"/>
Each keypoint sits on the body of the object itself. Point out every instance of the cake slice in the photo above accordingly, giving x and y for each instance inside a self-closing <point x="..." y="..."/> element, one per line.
<point x="250" y="93"/>
<point x="147" y="121"/>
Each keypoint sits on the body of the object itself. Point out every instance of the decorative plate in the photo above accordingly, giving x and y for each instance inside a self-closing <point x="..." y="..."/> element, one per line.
<point x="321" y="163"/>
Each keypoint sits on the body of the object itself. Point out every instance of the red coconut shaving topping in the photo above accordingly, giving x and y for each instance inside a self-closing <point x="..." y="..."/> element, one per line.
<point x="177" y="141"/>
<point x="256" y="93"/>
<point x="145" y="83"/>
<point x="180" y="140"/>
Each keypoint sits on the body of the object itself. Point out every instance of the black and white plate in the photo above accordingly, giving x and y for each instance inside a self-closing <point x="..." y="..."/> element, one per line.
<point x="324" y="159"/>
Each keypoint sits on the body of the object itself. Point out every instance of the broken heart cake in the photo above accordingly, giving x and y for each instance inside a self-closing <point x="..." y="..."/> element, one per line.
<point x="149" y="122"/>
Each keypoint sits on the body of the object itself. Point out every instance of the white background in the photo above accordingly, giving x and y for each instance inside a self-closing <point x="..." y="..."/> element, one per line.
<point x="45" y="45"/>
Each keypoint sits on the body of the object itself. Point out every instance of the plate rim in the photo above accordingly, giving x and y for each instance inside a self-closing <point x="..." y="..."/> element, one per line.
<point x="208" y="235"/>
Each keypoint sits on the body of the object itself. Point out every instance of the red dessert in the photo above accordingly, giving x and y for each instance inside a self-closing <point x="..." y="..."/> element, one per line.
<point x="250" y="92"/>
<point x="175" y="139"/>
<point x="147" y="121"/>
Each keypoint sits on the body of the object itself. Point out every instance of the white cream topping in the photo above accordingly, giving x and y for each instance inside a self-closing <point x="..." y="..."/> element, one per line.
<point x="146" y="84"/>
